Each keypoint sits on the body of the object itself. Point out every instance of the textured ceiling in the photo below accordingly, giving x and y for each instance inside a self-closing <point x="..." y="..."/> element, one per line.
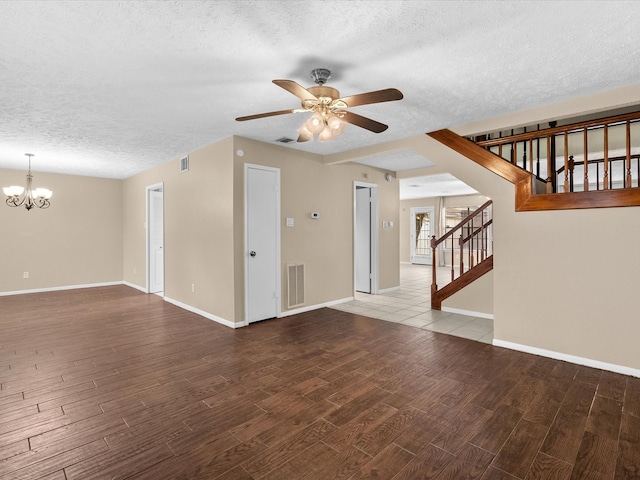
<point x="107" y="88"/>
<point x="438" y="185"/>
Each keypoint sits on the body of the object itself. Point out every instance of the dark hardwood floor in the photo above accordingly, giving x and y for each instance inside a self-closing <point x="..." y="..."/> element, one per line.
<point x="112" y="383"/>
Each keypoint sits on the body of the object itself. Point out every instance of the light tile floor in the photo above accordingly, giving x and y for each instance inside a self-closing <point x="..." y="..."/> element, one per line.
<point x="411" y="305"/>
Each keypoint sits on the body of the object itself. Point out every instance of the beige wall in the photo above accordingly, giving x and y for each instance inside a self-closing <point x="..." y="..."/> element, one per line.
<point x="564" y="281"/>
<point x="204" y="225"/>
<point x="554" y="286"/>
<point x="198" y="245"/>
<point x="76" y="241"/>
<point x="325" y="245"/>
<point x="477" y="297"/>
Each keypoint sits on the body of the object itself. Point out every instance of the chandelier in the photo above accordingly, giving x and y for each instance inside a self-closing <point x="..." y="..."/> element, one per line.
<point x="33" y="197"/>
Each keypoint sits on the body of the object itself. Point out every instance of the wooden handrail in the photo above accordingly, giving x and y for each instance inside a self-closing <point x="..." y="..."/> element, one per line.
<point x="607" y="180"/>
<point x="460" y="225"/>
<point x="554" y="184"/>
<point x="476" y="254"/>
<point x="525" y="200"/>
<point x="574" y="127"/>
<point x="477" y="230"/>
<point x="593" y="161"/>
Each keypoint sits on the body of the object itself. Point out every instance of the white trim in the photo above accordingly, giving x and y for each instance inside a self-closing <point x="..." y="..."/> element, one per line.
<point x="587" y="362"/>
<point x="468" y="312"/>
<point x="147" y="191"/>
<point x="412" y="234"/>
<point x="56" y="289"/>
<point x="387" y="290"/>
<point x="314" y="307"/>
<point x="137" y="287"/>
<point x="375" y="260"/>
<point x="278" y="241"/>
<point x="204" y="314"/>
<point x="406" y="263"/>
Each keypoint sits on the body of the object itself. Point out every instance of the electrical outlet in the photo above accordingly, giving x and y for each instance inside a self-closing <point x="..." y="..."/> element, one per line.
<point x="134" y="270"/>
<point x="25" y="274"/>
<point x="193" y="287"/>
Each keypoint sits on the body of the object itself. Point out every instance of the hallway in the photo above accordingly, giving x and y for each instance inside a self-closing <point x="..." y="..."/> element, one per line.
<point x="411" y="305"/>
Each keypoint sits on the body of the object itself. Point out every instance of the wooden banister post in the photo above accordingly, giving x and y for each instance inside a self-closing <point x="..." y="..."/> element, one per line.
<point x="460" y="244"/>
<point x="566" y="162"/>
<point x="552" y="159"/>
<point x="605" y="178"/>
<point x="628" y="159"/>
<point x="585" y="160"/>
<point x="434" y="284"/>
<point x="549" y="184"/>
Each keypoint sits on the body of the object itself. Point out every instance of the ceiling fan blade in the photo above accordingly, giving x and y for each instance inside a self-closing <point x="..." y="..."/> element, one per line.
<point x="295" y="88"/>
<point x="364" y="122"/>
<point x="379" y="96"/>
<point x="268" y="114"/>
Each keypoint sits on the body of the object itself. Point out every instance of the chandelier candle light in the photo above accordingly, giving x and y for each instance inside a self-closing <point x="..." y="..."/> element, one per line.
<point x="33" y="197"/>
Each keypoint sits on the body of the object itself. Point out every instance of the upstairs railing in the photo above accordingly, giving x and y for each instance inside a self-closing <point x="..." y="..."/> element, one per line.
<point x="602" y="154"/>
<point x="474" y="238"/>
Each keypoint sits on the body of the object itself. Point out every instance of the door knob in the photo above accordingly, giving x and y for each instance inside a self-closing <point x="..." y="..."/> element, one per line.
<point x="252" y="253"/>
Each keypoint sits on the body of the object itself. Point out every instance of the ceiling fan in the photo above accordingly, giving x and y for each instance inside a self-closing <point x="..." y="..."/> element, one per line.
<point x="330" y="114"/>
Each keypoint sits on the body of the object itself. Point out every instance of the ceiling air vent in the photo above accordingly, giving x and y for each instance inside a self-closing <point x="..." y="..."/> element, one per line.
<point x="184" y="164"/>
<point x="285" y="140"/>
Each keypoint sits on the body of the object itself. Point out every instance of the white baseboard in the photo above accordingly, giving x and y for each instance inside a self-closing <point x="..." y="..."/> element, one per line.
<point x="57" y="289"/>
<point x="468" y="312"/>
<point x="204" y="314"/>
<point x="587" y="362"/>
<point x="387" y="290"/>
<point x="137" y="287"/>
<point x="314" y="307"/>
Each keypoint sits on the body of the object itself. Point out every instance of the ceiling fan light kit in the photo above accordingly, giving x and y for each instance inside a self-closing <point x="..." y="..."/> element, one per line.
<point x="330" y="113"/>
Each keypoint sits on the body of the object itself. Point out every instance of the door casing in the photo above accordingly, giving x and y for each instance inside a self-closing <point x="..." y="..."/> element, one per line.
<point x="420" y="259"/>
<point x="278" y="288"/>
<point x="373" y="235"/>
<point x="148" y="225"/>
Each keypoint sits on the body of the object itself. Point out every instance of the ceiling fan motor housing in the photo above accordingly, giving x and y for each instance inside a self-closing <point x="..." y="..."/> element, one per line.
<point x="324" y="91"/>
<point x="320" y="75"/>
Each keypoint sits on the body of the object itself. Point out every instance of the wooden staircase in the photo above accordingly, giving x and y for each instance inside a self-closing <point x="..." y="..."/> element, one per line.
<point x="540" y="184"/>
<point x="569" y="146"/>
<point x="474" y="239"/>
<point x="438" y="295"/>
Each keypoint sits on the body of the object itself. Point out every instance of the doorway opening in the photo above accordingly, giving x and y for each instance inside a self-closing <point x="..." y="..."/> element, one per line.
<point x="155" y="238"/>
<point x="365" y="237"/>
<point x="422" y="229"/>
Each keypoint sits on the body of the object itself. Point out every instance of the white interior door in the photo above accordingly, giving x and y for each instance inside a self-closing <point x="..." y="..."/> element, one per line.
<point x="422" y="228"/>
<point x="262" y="185"/>
<point x="363" y="239"/>
<point x="155" y="229"/>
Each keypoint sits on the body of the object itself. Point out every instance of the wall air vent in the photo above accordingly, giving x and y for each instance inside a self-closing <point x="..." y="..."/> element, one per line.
<point x="295" y="285"/>
<point x="285" y="140"/>
<point x="184" y="164"/>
